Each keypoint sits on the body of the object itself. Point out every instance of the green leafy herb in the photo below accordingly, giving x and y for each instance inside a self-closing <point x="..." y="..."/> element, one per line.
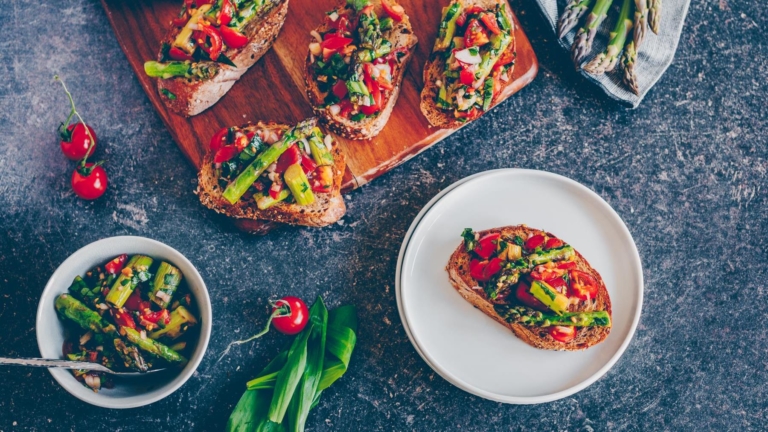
<point x="469" y="239"/>
<point x="358" y="4"/>
<point x="519" y="241"/>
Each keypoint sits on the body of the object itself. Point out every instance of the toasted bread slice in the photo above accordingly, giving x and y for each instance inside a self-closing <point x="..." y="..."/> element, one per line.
<point x="433" y="74"/>
<point x="402" y="37"/>
<point x="468" y="287"/>
<point x="191" y="96"/>
<point x="327" y="208"/>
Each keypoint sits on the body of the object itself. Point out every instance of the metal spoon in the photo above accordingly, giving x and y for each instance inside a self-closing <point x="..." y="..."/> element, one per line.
<point x="67" y="364"/>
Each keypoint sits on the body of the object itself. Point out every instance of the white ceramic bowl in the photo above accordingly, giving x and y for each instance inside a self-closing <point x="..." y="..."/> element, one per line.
<point x="129" y="392"/>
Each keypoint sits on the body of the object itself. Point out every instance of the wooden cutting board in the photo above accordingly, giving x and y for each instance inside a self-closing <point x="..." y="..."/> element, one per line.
<point x="273" y="89"/>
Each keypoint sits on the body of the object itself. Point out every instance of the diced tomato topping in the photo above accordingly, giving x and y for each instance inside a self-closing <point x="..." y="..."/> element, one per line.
<point x="474" y="10"/>
<point x="583" y="285"/>
<point x="219" y="139"/>
<point x="474" y="112"/>
<point x="475" y="35"/>
<point x="233" y="38"/>
<point x="493" y="267"/>
<point x="340" y="89"/>
<point x="290" y="157"/>
<point x="393" y="9"/>
<point x="178" y="54"/>
<point x="563" y="334"/>
<point x="275" y="189"/>
<point x="155" y="317"/>
<point x="523" y="294"/>
<point x="534" y="242"/>
<point x="215" y="38"/>
<point x="567" y="265"/>
<point x="346" y="108"/>
<point x="557" y="283"/>
<point x="373" y="88"/>
<point x="553" y="243"/>
<point x="546" y="272"/>
<point x="490" y="22"/>
<point x="307" y="164"/>
<point x="224" y="154"/>
<point x="466" y="77"/>
<point x="461" y="20"/>
<point x="486" y="246"/>
<point x="477" y="269"/>
<point x="225" y="14"/>
<point x="134" y="301"/>
<point x="180" y="21"/>
<point x="507" y="57"/>
<point x="117" y="264"/>
<point x="335" y="43"/>
<point x="123" y="319"/>
<point x="93" y="356"/>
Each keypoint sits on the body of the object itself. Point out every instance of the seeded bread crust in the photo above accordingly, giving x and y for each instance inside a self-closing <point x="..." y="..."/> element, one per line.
<point x="401" y="35"/>
<point x="433" y="72"/>
<point x="469" y="288"/>
<point x="328" y="208"/>
<point x="192" y="95"/>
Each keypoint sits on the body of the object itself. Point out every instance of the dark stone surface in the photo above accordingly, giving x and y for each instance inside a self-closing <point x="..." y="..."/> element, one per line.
<point x="687" y="172"/>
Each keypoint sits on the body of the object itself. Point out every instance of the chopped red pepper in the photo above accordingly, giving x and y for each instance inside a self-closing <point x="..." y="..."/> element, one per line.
<point x="224" y="154"/>
<point x="534" y="242"/>
<point x="219" y="139"/>
<point x="486" y="246"/>
<point x="490" y="22"/>
<point x="117" y="264"/>
<point x="461" y="20"/>
<point x="346" y="108"/>
<point x="340" y="89"/>
<point x="290" y="157"/>
<point x="393" y="9"/>
<point x="178" y="54"/>
<point x="233" y="38"/>
<point x="307" y="164"/>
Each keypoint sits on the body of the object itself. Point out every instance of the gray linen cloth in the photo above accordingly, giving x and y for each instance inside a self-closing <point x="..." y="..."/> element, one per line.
<point x="653" y="58"/>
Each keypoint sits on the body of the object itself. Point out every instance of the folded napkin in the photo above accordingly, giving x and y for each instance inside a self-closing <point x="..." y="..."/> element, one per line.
<point x="653" y="58"/>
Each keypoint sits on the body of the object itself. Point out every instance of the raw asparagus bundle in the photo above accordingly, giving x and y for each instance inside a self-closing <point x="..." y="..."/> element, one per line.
<point x="569" y="19"/>
<point x="606" y="61"/>
<point x="582" y="43"/>
<point x="641" y="21"/>
<point x="628" y="61"/>
<point x="654" y="15"/>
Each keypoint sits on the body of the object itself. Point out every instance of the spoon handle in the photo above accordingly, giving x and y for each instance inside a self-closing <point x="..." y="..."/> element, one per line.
<point x="52" y="363"/>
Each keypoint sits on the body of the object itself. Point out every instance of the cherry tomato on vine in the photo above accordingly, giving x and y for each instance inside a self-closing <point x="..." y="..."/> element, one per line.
<point x="90" y="182"/>
<point x="293" y="315"/>
<point x="75" y="141"/>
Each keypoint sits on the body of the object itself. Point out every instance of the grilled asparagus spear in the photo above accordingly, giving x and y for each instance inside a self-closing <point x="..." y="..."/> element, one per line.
<point x="527" y="316"/>
<point x="606" y="61"/>
<point x="73" y="309"/>
<point x="582" y="43"/>
<point x="135" y="271"/>
<point x="151" y="346"/>
<point x="180" y="321"/>
<point x="571" y="16"/>
<point x="167" y="280"/>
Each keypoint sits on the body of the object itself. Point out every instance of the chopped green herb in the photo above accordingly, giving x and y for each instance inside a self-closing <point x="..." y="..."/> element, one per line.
<point x="168" y="94"/>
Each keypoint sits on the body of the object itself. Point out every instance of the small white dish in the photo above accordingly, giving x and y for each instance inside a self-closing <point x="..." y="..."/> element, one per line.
<point x="134" y="391"/>
<point x="469" y="349"/>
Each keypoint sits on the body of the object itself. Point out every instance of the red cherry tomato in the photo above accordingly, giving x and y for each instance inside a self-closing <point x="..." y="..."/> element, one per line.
<point x="490" y="22"/>
<point x="562" y="334"/>
<point x="290" y="157"/>
<point x="215" y="37"/>
<point x="155" y="317"/>
<point x="466" y="77"/>
<point x="178" y="54"/>
<point x="534" y="242"/>
<point x="475" y="35"/>
<point x="486" y="246"/>
<point x="224" y="154"/>
<point x="275" y="189"/>
<point x="461" y="20"/>
<point x="493" y="267"/>
<point x="91" y="185"/>
<point x="307" y="164"/>
<point x="295" y="315"/>
<point x="123" y="319"/>
<point x="558" y="284"/>
<point x="345" y="108"/>
<point x="526" y="298"/>
<point x="583" y="285"/>
<point x="334" y="42"/>
<point x="340" y="89"/>
<point x="134" y="302"/>
<point x="473" y="113"/>
<point x="233" y="38"/>
<point x="225" y="14"/>
<point x="483" y="271"/>
<point x="393" y="9"/>
<point x="76" y="141"/>
<point x="219" y="139"/>
<point x="375" y="94"/>
<point x="546" y="272"/>
<point x="567" y="265"/>
<point x="117" y="264"/>
<point x="553" y="243"/>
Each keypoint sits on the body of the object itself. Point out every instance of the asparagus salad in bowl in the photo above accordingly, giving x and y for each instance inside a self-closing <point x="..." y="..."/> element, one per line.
<point x="133" y="305"/>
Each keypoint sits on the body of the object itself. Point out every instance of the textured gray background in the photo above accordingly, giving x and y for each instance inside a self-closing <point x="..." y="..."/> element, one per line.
<point x="686" y="171"/>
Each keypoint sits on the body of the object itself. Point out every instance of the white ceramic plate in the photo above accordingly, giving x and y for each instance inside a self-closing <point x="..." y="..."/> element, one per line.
<point x="134" y="391"/>
<point x="469" y="349"/>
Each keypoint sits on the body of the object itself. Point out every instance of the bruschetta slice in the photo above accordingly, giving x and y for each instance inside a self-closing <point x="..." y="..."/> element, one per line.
<point x="471" y="62"/>
<point x="535" y="284"/>
<point x="356" y="63"/>
<point x="211" y="44"/>
<point x="273" y="172"/>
